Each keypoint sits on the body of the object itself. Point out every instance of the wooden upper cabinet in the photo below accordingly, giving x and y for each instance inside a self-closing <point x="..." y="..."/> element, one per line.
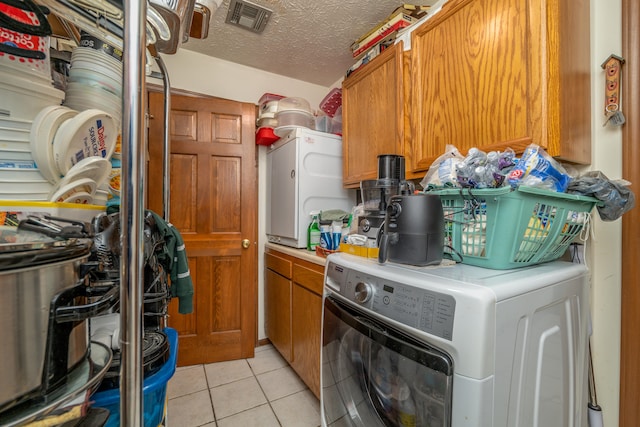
<point x="501" y="73"/>
<point x="373" y="121"/>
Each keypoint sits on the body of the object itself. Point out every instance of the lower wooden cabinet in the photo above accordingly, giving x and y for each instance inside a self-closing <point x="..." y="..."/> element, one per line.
<point x="293" y="313"/>
<point x="278" y="312"/>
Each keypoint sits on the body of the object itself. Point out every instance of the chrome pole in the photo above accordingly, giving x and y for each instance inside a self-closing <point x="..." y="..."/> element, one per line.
<point x="166" y="150"/>
<point x="132" y="213"/>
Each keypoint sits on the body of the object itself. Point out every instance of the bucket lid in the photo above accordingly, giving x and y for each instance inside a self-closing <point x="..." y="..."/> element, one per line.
<point x="44" y="128"/>
<point x="73" y="192"/>
<point x="294" y="104"/>
<point x="81" y="198"/>
<point x="95" y="168"/>
<point x="90" y="133"/>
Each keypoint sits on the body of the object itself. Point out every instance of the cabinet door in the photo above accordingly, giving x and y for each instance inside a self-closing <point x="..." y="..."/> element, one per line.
<point x="373" y="115"/>
<point x="307" y="327"/>
<point x="497" y="74"/>
<point x="472" y="87"/>
<point x="278" y="312"/>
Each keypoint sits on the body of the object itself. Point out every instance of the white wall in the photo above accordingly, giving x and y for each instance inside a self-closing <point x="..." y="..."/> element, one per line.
<point x="197" y="73"/>
<point x="604" y="249"/>
<point x="210" y="76"/>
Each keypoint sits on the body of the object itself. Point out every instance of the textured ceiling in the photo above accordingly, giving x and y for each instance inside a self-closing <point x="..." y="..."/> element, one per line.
<point x="306" y="40"/>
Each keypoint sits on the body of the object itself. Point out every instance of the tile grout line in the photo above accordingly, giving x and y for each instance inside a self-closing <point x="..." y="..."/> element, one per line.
<point x="255" y="376"/>
<point x="213" y="410"/>
<point x="281" y="397"/>
<point x="207" y="389"/>
<point x="264" y="394"/>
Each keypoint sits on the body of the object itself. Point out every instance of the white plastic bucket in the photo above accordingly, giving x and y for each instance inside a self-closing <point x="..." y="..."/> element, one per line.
<point x="23" y="98"/>
<point x="11" y="134"/>
<point x="34" y="186"/>
<point x="17" y="124"/>
<point x="90" y="133"/>
<point x="19" y="170"/>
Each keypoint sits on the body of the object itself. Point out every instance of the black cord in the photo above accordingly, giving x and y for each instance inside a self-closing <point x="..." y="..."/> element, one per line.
<point x="574" y="250"/>
<point x="453" y="251"/>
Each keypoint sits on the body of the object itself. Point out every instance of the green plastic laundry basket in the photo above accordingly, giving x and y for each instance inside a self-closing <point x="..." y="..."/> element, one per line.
<point x="504" y="228"/>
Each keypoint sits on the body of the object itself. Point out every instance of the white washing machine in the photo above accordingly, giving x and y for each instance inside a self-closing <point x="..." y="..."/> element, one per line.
<point x="454" y="346"/>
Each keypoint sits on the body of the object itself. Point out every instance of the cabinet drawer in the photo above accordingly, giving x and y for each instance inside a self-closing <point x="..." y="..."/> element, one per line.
<point x="308" y="278"/>
<point x="278" y="264"/>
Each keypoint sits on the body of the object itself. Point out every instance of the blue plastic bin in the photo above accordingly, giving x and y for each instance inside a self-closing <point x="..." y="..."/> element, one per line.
<point x="154" y="390"/>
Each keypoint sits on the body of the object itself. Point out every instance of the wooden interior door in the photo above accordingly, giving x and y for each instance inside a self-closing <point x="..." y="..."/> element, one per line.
<point x="630" y="315"/>
<point x="213" y="197"/>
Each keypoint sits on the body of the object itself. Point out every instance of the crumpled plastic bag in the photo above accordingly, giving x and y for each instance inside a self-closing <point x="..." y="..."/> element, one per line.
<point x="442" y="171"/>
<point x="538" y="169"/>
<point x="615" y="196"/>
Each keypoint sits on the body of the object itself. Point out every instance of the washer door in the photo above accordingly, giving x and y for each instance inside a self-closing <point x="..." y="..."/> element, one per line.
<point x="374" y="375"/>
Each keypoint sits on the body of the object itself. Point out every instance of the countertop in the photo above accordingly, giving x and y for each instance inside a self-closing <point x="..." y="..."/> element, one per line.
<point x="298" y="253"/>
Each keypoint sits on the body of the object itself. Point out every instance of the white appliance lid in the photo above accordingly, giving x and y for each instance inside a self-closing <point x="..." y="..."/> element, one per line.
<point x="502" y="284"/>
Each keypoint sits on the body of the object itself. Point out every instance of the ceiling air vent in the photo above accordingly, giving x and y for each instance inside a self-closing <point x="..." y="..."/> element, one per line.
<point x="248" y="15"/>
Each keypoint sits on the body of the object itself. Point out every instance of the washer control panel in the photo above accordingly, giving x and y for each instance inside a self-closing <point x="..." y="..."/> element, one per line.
<point x="430" y="311"/>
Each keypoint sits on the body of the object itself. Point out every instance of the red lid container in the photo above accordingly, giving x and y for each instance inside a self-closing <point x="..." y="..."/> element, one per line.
<point x="265" y="136"/>
<point x="269" y="97"/>
<point x="331" y="102"/>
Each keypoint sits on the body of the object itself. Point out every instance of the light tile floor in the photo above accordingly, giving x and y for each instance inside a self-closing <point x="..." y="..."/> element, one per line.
<point x="259" y="392"/>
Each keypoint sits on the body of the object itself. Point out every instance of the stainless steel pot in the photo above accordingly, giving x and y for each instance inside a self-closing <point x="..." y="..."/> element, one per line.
<point x="44" y="316"/>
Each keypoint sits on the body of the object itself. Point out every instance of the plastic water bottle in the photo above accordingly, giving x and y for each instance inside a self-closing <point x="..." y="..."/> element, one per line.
<point x="383" y="382"/>
<point x="493" y="167"/>
<point x="476" y="157"/>
<point x="500" y="163"/>
<point x="465" y="169"/>
<point x="406" y="405"/>
<point x="483" y="177"/>
<point x="463" y="174"/>
<point x="313" y="232"/>
<point x="493" y="158"/>
<point x="506" y="160"/>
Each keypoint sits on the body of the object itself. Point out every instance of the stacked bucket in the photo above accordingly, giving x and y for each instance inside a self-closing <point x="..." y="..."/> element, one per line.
<point x="25" y="88"/>
<point x="48" y="151"/>
<point x="95" y="83"/>
<point x="95" y="77"/>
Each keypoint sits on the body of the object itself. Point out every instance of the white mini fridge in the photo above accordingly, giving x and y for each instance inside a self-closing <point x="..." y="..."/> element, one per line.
<point x="304" y="174"/>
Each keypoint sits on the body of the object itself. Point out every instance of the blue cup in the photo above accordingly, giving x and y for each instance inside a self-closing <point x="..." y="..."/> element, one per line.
<point x="337" y="236"/>
<point x="326" y="240"/>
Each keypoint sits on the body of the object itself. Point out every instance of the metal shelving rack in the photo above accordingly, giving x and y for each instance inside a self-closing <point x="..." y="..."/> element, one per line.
<point x="129" y="32"/>
<point x="132" y="212"/>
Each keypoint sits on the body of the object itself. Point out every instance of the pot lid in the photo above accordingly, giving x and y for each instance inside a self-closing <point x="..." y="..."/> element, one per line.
<point x="14" y="240"/>
<point x="25" y="248"/>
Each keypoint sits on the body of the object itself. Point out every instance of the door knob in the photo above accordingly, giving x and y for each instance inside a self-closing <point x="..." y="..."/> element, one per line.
<point x="246" y="243"/>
